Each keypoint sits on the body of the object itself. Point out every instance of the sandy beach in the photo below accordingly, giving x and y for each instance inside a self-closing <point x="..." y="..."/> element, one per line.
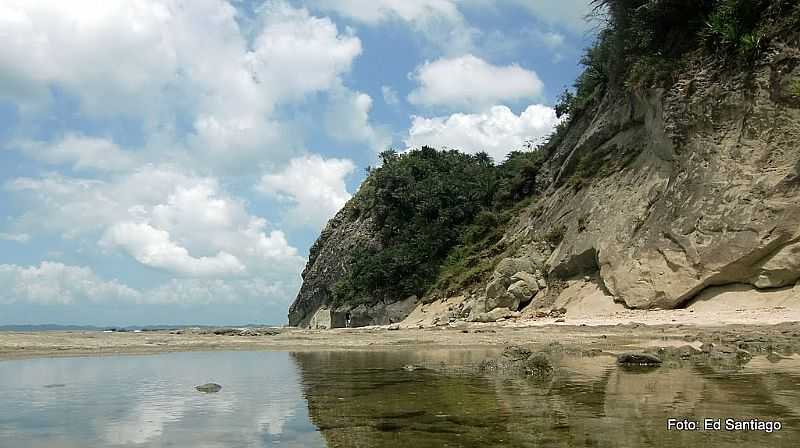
<point x="774" y="329"/>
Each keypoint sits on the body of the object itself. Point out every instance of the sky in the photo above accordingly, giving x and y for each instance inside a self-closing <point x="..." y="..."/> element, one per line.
<point x="172" y="161"/>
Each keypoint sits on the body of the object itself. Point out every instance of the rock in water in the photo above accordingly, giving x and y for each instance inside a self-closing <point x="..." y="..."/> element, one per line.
<point x="516" y="353"/>
<point x="209" y="388"/>
<point x="638" y="359"/>
<point x="539" y="365"/>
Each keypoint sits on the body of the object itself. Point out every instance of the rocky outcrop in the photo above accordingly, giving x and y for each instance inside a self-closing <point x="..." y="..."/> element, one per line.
<point x="703" y="188"/>
<point x="654" y="194"/>
<point x="327" y="264"/>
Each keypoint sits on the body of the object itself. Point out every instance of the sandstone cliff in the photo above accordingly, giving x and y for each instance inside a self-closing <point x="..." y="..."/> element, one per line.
<point x="656" y="192"/>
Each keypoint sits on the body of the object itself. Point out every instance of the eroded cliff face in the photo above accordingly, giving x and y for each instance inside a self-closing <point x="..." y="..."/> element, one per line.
<point x="656" y="195"/>
<point x="701" y="187"/>
<point x="327" y="264"/>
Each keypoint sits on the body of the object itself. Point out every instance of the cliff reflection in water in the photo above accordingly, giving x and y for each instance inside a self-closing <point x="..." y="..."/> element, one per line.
<point x="359" y="399"/>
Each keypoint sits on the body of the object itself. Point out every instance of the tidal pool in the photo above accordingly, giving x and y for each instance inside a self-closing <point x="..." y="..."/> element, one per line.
<point x="367" y="399"/>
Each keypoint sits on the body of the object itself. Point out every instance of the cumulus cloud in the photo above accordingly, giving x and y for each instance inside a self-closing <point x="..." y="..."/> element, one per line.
<point x="314" y="185"/>
<point x="80" y="152"/>
<point x="55" y="283"/>
<point x="497" y="131"/>
<point x="472" y="83"/>
<point x="347" y="119"/>
<point x="163" y="218"/>
<point x="188" y="77"/>
<point x="299" y="53"/>
<point x="153" y="247"/>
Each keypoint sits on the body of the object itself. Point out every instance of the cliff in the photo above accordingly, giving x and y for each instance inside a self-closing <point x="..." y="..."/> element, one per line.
<point x="674" y="174"/>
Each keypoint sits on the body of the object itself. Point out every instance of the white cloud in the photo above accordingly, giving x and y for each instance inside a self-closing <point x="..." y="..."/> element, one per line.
<point x="347" y="119"/>
<point x="16" y="237"/>
<point x="163" y="218"/>
<point x="376" y="11"/>
<point x="229" y="291"/>
<point x="439" y="21"/>
<point x="571" y="14"/>
<point x="153" y="247"/>
<point x="472" y="83"/>
<point x="299" y="53"/>
<point x="82" y="153"/>
<point x="55" y="283"/>
<point x="390" y="96"/>
<point x="314" y="185"/>
<point x="163" y="64"/>
<point x="52" y="283"/>
<point x="497" y="131"/>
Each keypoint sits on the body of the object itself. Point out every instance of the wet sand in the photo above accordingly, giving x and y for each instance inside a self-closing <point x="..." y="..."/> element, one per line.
<point x="783" y="338"/>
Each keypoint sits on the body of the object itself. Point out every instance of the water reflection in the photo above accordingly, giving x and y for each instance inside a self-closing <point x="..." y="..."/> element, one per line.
<point x="589" y="402"/>
<point x="358" y="399"/>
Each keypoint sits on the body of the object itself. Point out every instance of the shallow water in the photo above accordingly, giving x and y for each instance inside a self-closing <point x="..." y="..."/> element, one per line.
<point x="366" y="399"/>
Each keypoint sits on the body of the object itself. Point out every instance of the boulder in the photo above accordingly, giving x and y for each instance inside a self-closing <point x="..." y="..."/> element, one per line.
<point x="521" y="291"/>
<point x="321" y="320"/>
<point x="782" y="269"/>
<point x="510" y="266"/>
<point x="497" y="287"/>
<point x="493" y="315"/>
<point x="516" y="353"/>
<point x="505" y="300"/>
<point x="538" y="365"/>
<point x="209" y="388"/>
<point x="638" y="359"/>
<point x="530" y="280"/>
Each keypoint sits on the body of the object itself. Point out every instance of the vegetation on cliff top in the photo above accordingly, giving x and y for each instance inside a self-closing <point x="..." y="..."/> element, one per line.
<point x="642" y="42"/>
<point x="424" y="203"/>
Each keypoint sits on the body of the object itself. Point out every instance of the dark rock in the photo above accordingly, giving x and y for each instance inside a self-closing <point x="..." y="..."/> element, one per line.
<point x="639" y="359"/>
<point x="516" y="353"/>
<point x="209" y="388"/>
<point x="539" y="365"/>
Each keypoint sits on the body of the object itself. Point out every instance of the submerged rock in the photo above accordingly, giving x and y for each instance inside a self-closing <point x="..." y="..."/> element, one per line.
<point x="639" y="359"/>
<point x="518" y="360"/>
<point x="209" y="388"/>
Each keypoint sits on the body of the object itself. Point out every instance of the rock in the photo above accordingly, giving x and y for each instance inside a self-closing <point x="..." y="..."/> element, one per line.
<point x="412" y="367"/>
<point x="393" y="327"/>
<point x="504" y="300"/>
<point x="209" y="388"/>
<point x="321" y="320"/>
<point x="538" y="365"/>
<point x="493" y="315"/>
<point x="639" y="359"/>
<point x="516" y="353"/>
<point x="521" y="292"/>
<point x="510" y="266"/>
<point x="497" y="287"/>
<point x="530" y="281"/>
<point x="459" y="325"/>
<point x="781" y="269"/>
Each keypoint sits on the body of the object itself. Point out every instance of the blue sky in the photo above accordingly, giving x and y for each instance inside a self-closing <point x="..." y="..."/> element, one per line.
<point x="172" y="161"/>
